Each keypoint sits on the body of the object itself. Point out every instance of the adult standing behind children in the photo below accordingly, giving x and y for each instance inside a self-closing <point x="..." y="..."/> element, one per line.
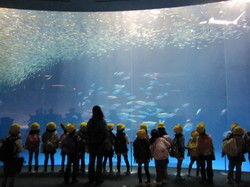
<point x="14" y="146"/>
<point x="32" y="145"/>
<point x="206" y="153"/>
<point x="97" y="132"/>
<point x="50" y="144"/>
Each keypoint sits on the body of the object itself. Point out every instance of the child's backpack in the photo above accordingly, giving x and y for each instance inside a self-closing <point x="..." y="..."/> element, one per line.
<point x="8" y="150"/>
<point x="229" y="147"/>
<point x="205" y="145"/>
<point x="32" y="142"/>
<point x="68" y="145"/>
<point x="192" y="148"/>
<point x="141" y="150"/>
<point x="174" y="149"/>
<point x="120" y="145"/>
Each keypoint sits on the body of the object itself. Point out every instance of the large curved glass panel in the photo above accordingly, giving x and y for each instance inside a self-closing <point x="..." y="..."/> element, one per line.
<point x="179" y="65"/>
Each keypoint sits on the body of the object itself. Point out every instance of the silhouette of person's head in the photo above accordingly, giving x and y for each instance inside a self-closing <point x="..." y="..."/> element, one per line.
<point x="97" y="112"/>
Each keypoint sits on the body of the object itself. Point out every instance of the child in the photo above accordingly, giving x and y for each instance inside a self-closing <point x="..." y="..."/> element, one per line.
<point x="206" y="153"/>
<point x="142" y="154"/>
<point x="70" y="146"/>
<point x="159" y="150"/>
<point x="110" y="152"/>
<point x="9" y="165"/>
<point x="121" y="141"/>
<point x="193" y="153"/>
<point x="63" y="154"/>
<point x="179" y="141"/>
<point x="32" y="145"/>
<point x="82" y="134"/>
<point x="236" y="161"/>
<point x="163" y="133"/>
<point x="50" y="144"/>
<point x="247" y="140"/>
<point x="145" y="127"/>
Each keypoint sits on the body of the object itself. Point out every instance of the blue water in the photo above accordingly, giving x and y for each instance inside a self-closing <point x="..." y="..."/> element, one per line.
<point x="168" y="65"/>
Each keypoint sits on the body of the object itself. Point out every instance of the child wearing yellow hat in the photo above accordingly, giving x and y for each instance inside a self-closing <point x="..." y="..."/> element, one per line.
<point x="120" y="146"/>
<point x="206" y="153"/>
<point x="32" y="145"/>
<point x="70" y="146"/>
<point x="109" y="152"/>
<point x="50" y="143"/>
<point x="9" y="157"/>
<point x="142" y="154"/>
<point x="193" y="152"/>
<point x="236" y="160"/>
<point x="179" y="143"/>
<point x="82" y="134"/>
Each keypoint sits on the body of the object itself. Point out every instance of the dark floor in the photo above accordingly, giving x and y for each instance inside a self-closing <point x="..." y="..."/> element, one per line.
<point x="56" y="179"/>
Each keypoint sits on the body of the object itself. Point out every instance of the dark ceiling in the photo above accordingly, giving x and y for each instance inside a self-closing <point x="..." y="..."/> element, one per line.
<point x="98" y="5"/>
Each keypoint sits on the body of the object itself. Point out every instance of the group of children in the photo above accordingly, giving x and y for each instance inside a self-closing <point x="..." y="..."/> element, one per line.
<point x="158" y="146"/>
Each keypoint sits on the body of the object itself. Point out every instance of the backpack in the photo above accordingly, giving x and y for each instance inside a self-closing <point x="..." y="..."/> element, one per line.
<point x="192" y="148"/>
<point x="8" y="150"/>
<point x="141" y="150"/>
<point x="205" y="145"/>
<point x="120" y="145"/>
<point x="32" y="142"/>
<point x="68" y="145"/>
<point x="174" y="149"/>
<point x="229" y="147"/>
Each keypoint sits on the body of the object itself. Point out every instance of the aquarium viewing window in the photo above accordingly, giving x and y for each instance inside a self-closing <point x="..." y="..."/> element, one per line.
<point x="173" y="65"/>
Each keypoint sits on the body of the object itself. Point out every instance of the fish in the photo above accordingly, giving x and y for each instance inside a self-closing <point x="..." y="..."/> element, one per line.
<point x="165" y="115"/>
<point x="150" y="123"/>
<point x="223" y="111"/>
<point x="198" y="111"/>
<point x="112" y="97"/>
<point x="125" y="78"/>
<point x="188" y="127"/>
<point x="223" y="22"/>
<point x="185" y="105"/>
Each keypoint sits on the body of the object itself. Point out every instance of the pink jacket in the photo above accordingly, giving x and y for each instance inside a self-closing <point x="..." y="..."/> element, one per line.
<point x="159" y="149"/>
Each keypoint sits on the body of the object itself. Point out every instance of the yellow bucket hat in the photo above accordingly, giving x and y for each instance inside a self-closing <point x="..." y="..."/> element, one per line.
<point x="144" y="126"/>
<point x="51" y="126"/>
<point x="35" y="126"/>
<point x="141" y="134"/>
<point x="238" y="131"/>
<point x="233" y="126"/>
<point x="161" y="125"/>
<point x="120" y="126"/>
<point x="201" y="127"/>
<point x="111" y="126"/>
<point x="15" y="129"/>
<point x="83" y="125"/>
<point x="178" y="128"/>
<point x="194" y="134"/>
<point x="70" y="127"/>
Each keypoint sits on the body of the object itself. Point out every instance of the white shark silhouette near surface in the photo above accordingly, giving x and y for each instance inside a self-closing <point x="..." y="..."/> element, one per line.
<point x="223" y="22"/>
